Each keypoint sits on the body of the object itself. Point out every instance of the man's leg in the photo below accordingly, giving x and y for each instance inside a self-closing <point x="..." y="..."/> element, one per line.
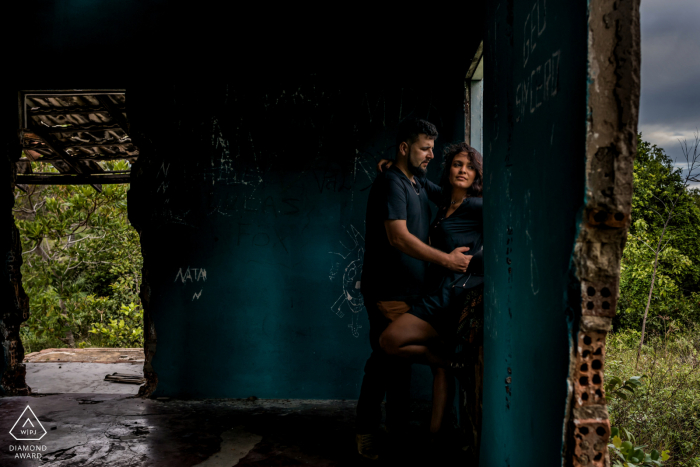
<point x="374" y="382"/>
<point x="398" y="374"/>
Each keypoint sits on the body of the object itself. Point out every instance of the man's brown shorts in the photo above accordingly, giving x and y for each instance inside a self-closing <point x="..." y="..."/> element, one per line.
<point x="392" y="309"/>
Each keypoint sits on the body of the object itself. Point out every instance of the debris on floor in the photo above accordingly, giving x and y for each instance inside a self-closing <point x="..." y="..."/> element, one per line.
<point x="125" y="378"/>
<point x="80" y="378"/>
<point x="90" y="355"/>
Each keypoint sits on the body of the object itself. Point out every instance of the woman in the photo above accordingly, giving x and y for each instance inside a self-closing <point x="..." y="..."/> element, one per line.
<point x="428" y="332"/>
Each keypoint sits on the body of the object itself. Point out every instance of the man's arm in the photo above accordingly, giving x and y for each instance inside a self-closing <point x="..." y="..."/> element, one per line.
<point x="404" y="241"/>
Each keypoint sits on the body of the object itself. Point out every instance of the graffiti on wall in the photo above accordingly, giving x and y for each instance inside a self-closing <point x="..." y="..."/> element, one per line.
<point x="541" y="78"/>
<point x="347" y="270"/>
<point x="192" y="275"/>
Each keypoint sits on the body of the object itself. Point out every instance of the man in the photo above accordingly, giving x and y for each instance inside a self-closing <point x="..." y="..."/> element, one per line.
<point x="396" y="256"/>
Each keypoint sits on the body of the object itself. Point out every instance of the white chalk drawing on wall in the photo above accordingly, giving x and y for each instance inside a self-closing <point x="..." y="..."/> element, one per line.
<point x="348" y="270"/>
<point x="365" y="163"/>
<point x="225" y="170"/>
<point x="163" y="172"/>
<point x="541" y="78"/>
<point x="533" y="27"/>
<point x="534" y="270"/>
<point x="538" y="87"/>
<point x="191" y="274"/>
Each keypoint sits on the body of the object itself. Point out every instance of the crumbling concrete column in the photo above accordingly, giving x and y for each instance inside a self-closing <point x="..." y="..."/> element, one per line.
<point x="611" y="144"/>
<point x="561" y="94"/>
<point x="14" y="303"/>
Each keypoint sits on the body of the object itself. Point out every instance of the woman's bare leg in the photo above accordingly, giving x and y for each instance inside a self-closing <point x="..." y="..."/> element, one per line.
<point x="443" y="385"/>
<point x="412" y="338"/>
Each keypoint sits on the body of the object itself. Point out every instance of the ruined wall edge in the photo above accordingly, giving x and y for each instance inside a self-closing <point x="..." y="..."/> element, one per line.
<point x="611" y="144"/>
<point x="15" y="303"/>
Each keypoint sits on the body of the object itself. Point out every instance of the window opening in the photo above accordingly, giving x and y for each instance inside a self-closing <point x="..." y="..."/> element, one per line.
<point x="474" y="102"/>
<point x="81" y="259"/>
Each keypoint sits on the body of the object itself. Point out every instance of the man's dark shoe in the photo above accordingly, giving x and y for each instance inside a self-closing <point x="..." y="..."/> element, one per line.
<point x="368" y="445"/>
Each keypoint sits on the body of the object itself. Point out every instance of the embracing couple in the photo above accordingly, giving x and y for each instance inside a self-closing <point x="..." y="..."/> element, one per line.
<point x="419" y="280"/>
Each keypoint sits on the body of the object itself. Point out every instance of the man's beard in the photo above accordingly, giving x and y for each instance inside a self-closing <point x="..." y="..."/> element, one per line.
<point x="417" y="171"/>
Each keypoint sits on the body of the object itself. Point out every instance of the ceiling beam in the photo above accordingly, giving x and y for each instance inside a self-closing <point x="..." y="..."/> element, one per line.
<point x="68" y="111"/>
<point x="88" y="128"/>
<point x="114" y="112"/>
<point x="87" y="157"/>
<point x="65" y="179"/>
<point x="59" y="151"/>
<point x="82" y="144"/>
<point x="62" y="154"/>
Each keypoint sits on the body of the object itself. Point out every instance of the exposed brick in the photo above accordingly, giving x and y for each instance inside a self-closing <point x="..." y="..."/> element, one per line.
<point x="590" y="364"/>
<point x="599" y="298"/>
<point x="592" y="436"/>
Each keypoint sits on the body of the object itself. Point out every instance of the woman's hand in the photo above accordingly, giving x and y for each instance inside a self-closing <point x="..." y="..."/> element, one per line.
<point x="384" y="164"/>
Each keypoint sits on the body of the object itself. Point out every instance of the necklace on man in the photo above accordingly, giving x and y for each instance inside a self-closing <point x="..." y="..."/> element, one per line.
<point x="415" y="190"/>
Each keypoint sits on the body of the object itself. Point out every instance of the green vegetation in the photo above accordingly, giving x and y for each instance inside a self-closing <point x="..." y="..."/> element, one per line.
<point x="660" y="411"/>
<point x="675" y="300"/>
<point x="629" y="455"/>
<point x="81" y="265"/>
<point x="654" y="404"/>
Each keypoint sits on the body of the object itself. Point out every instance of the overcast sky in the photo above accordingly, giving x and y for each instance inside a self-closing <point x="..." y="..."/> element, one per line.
<point x="670" y="107"/>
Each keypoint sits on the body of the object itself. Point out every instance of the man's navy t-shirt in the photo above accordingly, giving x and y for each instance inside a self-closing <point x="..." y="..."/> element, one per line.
<point x="387" y="273"/>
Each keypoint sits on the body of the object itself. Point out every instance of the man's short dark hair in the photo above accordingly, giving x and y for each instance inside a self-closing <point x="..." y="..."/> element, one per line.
<point x="410" y="129"/>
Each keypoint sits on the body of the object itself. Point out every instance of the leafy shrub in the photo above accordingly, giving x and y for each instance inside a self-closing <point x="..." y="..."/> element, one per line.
<point x="81" y="262"/>
<point x="626" y="454"/>
<point x="662" y="408"/>
<point x="126" y="331"/>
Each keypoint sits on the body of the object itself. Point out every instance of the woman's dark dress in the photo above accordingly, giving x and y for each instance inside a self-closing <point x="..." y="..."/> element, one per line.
<point x="448" y="290"/>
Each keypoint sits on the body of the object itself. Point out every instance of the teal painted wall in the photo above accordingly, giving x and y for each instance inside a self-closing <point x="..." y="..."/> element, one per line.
<point x="261" y="193"/>
<point x="259" y="139"/>
<point x="534" y="138"/>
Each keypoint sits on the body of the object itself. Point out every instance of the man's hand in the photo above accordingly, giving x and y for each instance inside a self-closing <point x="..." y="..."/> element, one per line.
<point x="384" y="164"/>
<point x="400" y="238"/>
<point x="457" y="260"/>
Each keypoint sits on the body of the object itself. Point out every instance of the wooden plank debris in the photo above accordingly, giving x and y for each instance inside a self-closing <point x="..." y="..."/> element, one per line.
<point x="70" y="179"/>
<point x="125" y="378"/>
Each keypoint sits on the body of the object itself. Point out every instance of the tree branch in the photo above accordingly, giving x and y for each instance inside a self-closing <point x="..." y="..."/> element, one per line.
<point x="70" y="244"/>
<point x="645" y="243"/>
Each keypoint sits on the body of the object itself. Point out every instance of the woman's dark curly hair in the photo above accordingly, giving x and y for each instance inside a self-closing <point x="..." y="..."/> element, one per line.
<point x="477" y="187"/>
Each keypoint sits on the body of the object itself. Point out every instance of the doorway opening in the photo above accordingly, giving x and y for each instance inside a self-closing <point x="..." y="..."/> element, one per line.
<point x="82" y="323"/>
<point x="474" y="101"/>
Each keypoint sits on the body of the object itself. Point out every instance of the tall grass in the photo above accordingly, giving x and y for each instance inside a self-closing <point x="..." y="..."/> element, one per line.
<point x="664" y="414"/>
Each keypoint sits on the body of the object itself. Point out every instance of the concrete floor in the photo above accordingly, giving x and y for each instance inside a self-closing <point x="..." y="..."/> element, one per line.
<point x="117" y="430"/>
<point x="80" y="378"/>
<point x="89" y="421"/>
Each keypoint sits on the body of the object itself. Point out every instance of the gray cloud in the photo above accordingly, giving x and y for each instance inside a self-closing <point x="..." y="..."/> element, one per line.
<point x="670" y="98"/>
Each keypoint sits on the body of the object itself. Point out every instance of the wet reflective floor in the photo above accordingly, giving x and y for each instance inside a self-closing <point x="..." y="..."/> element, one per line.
<point x="118" y="430"/>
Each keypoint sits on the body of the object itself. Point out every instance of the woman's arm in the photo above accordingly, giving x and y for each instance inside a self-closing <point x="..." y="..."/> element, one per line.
<point x="434" y="191"/>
